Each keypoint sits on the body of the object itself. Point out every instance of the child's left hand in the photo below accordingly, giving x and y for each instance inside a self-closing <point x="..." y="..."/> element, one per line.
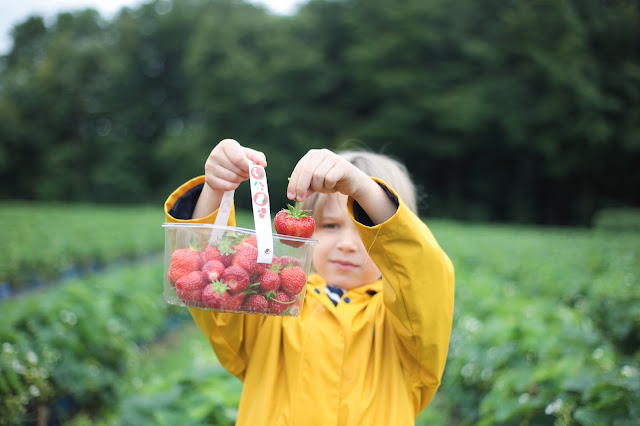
<point x="321" y="170"/>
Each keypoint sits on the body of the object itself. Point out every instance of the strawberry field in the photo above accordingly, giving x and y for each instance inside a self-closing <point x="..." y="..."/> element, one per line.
<point x="43" y="242"/>
<point x="546" y="327"/>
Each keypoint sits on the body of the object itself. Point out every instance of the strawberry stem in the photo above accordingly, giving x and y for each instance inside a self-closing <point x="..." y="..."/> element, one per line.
<point x="289" y="302"/>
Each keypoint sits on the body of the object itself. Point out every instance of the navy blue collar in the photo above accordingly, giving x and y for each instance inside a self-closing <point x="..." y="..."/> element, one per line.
<point x="334" y="293"/>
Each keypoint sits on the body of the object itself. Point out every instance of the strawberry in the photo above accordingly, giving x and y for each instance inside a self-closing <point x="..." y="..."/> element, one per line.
<point x="215" y="295"/>
<point x="234" y="303"/>
<point x="287" y="261"/>
<point x="276" y="263"/>
<point x="225" y="246"/>
<point x="278" y="302"/>
<point x="255" y="303"/>
<point x="294" y="222"/>
<point x="269" y="281"/>
<point x="211" y="252"/>
<point x="183" y="261"/>
<point x="292" y="280"/>
<point x="213" y="269"/>
<point x="252" y="240"/>
<point x="189" y="287"/>
<point x="247" y="258"/>
<point x="236" y="278"/>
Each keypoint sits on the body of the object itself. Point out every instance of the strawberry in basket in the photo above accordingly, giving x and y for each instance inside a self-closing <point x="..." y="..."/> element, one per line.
<point x="294" y="222"/>
<point x="183" y="261"/>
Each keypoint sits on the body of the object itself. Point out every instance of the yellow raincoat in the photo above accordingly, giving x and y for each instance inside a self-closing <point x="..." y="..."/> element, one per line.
<point x="376" y="360"/>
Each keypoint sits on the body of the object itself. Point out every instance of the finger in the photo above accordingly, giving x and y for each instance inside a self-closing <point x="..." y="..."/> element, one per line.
<point x="333" y="176"/>
<point x="218" y="164"/>
<point x="293" y="181"/>
<point x="256" y="156"/>
<point x="218" y="184"/>
<point x="303" y="174"/>
<point x="236" y="159"/>
<point x="319" y="182"/>
<point x="222" y="173"/>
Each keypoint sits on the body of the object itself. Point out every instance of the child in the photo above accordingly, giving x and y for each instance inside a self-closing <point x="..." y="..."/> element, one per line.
<point x="370" y="345"/>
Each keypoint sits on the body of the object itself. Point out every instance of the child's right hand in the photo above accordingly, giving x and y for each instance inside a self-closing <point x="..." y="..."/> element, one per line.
<point x="225" y="169"/>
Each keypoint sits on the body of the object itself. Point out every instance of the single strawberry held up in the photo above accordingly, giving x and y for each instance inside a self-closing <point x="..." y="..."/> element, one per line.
<point x="294" y="222"/>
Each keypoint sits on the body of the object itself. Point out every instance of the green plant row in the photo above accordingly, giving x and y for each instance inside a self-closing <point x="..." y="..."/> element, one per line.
<point x="181" y="383"/>
<point x="42" y="241"/>
<point x="546" y="328"/>
<point x="66" y="348"/>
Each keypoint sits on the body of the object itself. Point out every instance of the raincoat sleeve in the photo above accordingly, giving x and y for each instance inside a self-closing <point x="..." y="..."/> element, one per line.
<point x="232" y="336"/>
<point x="418" y="292"/>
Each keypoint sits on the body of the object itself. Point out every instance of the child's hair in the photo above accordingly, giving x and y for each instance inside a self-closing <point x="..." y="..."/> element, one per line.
<point x="379" y="166"/>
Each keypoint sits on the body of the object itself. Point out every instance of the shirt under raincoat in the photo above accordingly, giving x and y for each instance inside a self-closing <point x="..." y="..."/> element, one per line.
<point x="375" y="358"/>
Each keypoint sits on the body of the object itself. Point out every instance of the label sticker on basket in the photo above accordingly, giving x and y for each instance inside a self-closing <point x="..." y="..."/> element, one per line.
<point x="261" y="212"/>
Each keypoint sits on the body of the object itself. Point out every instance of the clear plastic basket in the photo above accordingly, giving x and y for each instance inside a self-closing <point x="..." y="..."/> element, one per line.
<point x="231" y="269"/>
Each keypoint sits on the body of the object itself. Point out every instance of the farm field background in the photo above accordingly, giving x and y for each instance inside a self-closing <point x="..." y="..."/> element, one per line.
<point x="546" y="327"/>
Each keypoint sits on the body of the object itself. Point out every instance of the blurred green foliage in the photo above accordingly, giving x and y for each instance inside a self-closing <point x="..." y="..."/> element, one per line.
<point x="43" y="241"/>
<point x="504" y="111"/>
<point x="65" y="349"/>
<point x="620" y="219"/>
<point x="547" y="326"/>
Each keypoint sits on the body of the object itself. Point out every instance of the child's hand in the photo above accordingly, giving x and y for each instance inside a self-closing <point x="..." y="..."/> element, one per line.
<point x="226" y="168"/>
<point x="321" y="170"/>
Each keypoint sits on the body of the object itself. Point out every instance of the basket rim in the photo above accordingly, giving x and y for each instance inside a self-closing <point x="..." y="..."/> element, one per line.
<point x="236" y="228"/>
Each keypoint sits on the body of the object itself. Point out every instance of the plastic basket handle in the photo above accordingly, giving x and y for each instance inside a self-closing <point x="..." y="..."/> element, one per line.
<point x="261" y="212"/>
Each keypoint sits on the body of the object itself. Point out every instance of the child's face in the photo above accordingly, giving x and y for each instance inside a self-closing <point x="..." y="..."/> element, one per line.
<point x="340" y="256"/>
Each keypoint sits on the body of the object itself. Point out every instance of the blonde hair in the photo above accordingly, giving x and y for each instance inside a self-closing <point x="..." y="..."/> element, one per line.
<point x="380" y="166"/>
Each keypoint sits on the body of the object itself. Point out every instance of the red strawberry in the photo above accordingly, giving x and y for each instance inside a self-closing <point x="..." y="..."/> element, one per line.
<point x="294" y="222"/>
<point x="213" y="269"/>
<point x="211" y="252"/>
<point x="276" y="263"/>
<point x="183" y="261"/>
<point x="287" y="261"/>
<point x="247" y="258"/>
<point x="252" y="240"/>
<point x="189" y="287"/>
<point x="292" y="280"/>
<point x="278" y="302"/>
<point x="215" y="295"/>
<point x="269" y="281"/>
<point x="234" y="303"/>
<point x="236" y="278"/>
<point x="225" y="246"/>
<point x="255" y="303"/>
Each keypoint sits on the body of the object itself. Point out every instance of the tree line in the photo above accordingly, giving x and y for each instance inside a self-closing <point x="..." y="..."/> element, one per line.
<point x="513" y="111"/>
